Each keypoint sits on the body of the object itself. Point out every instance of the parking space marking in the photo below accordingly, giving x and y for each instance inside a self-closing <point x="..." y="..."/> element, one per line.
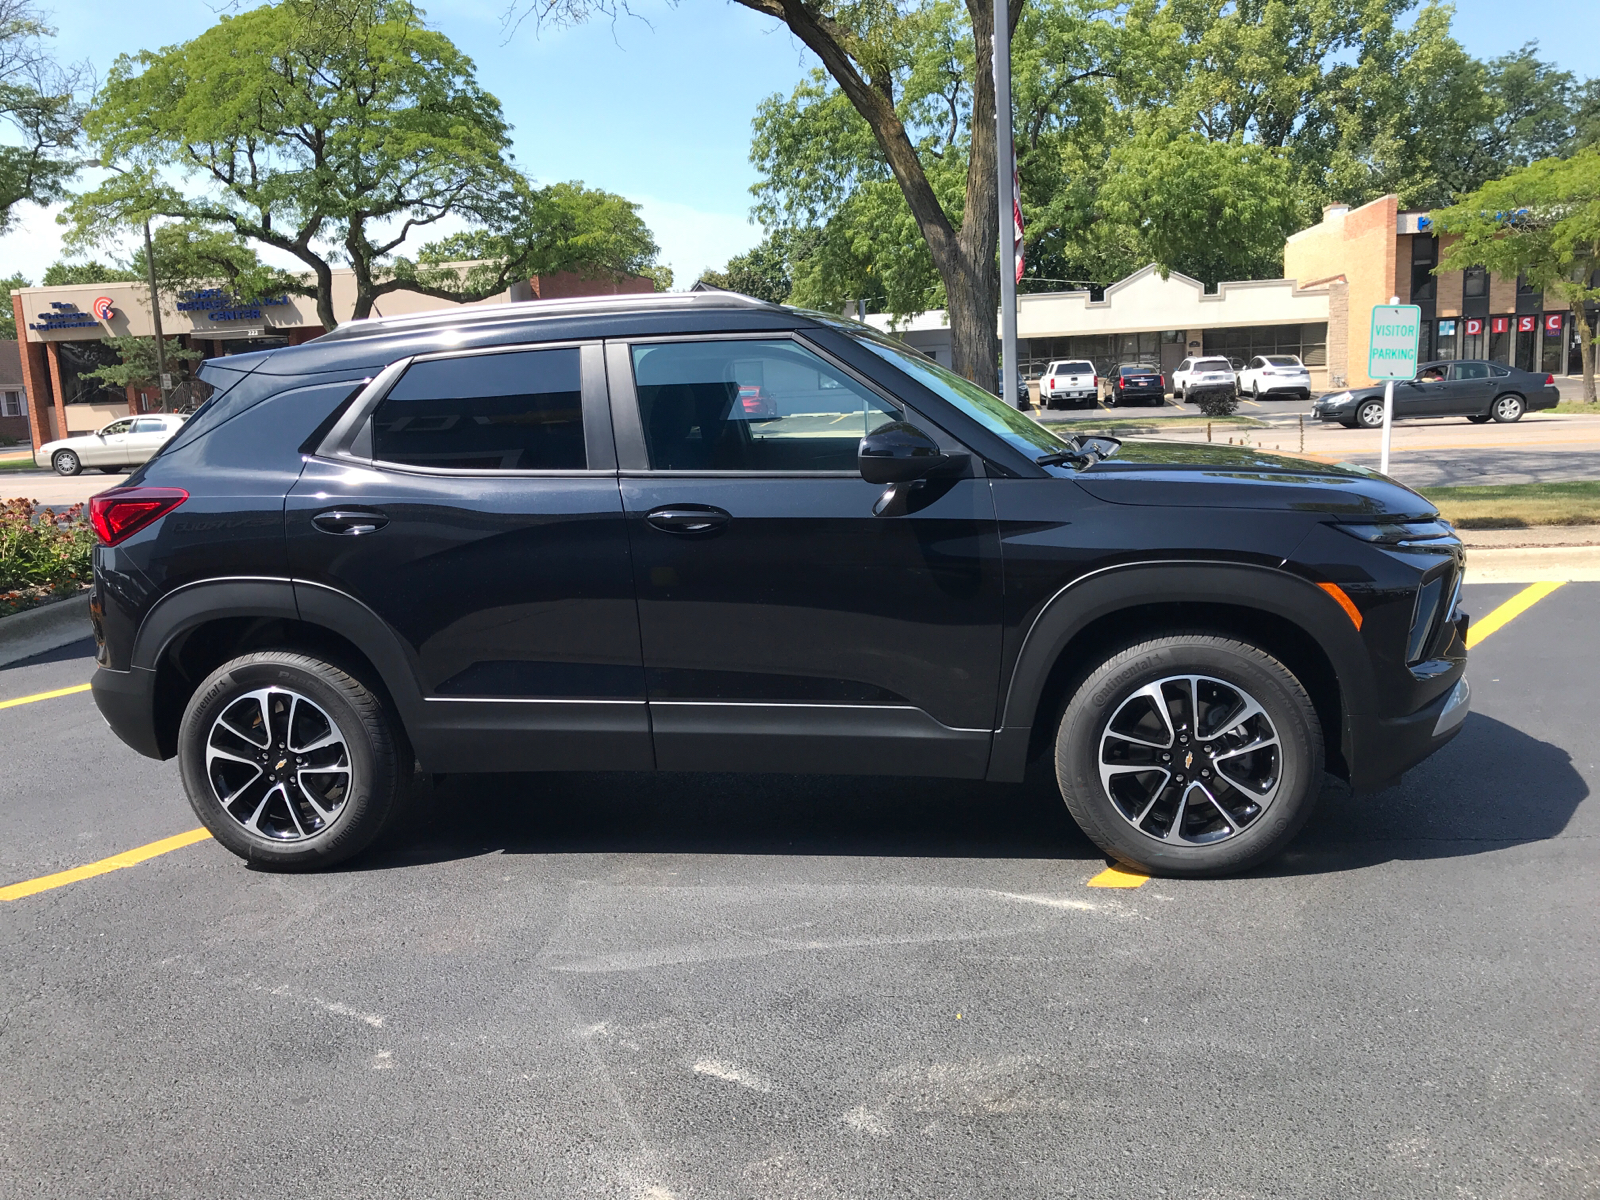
<point x="1119" y="877"/>
<point x="67" y="691"/>
<point x="128" y="858"/>
<point x="1510" y="610"/>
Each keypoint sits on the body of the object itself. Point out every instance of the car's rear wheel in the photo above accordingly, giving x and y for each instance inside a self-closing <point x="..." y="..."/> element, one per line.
<point x="1255" y="391"/>
<point x="1507" y="409"/>
<point x="1370" y="415"/>
<point x="1190" y="754"/>
<point x="289" y="761"/>
<point x="66" y="462"/>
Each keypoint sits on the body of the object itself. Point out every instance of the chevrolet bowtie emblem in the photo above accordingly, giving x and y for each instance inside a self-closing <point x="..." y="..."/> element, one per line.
<point x="1188" y="760"/>
<point x="282" y="763"/>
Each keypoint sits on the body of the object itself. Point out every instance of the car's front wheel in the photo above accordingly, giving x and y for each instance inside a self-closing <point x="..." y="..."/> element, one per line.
<point x="1507" y="409"/>
<point x="289" y="761"/>
<point x="1190" y="754"/>
<point x="1479" y="418"/>
<point x="66" y="462"/>
<point x="1370" y="415"/>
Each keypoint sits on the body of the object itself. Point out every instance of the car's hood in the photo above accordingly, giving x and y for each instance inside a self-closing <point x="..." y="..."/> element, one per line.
<point x="1189" y="475"/>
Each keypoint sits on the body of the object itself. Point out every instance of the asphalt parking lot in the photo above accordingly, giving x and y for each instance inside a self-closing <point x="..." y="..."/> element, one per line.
<point x="706" y="986"/>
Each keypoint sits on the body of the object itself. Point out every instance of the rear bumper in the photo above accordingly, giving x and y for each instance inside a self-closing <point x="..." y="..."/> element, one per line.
<point x="126" y="699"/>
<point x="1544" y="398"/>
<point x="1380" y="750"/>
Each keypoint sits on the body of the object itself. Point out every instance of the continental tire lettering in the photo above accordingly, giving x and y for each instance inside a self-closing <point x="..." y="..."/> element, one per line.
<point x="1110" y="687"/>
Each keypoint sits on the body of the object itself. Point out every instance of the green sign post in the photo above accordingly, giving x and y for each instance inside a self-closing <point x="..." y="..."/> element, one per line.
<point x="1391" y="355"/>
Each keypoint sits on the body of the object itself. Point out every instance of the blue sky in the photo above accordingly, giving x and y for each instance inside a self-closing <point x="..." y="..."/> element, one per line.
<point x="659" y="109"/>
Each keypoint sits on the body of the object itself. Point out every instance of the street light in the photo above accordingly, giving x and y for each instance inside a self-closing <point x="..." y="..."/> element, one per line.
<point x="155" y="298"/>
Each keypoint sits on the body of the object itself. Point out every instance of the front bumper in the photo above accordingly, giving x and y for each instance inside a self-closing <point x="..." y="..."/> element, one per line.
<point x="126" y="700"/>
<point x="1380" y="750"/>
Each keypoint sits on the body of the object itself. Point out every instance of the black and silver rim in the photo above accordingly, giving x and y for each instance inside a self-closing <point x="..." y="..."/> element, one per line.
<point x="278" y="765"/>
<point x="1509" y="408"/>
<point x="1190" y="760"/>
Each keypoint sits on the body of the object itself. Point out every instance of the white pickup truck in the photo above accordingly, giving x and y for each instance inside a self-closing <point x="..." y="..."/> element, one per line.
<point x="1071" y="381"/>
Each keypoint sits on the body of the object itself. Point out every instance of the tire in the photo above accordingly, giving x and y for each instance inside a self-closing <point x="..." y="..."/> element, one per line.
<point x="279" y="819"/>
<point x="1116" y="698"/>
<point x="1255" y="392"/>
<point x="1507" y="409"/>
<point x="1177" y="394"/>
<point x="66" y="462"/>
<point x="1370" y="414"/>
<point x="112" y="470"/>
<point x="1479" y="419"/>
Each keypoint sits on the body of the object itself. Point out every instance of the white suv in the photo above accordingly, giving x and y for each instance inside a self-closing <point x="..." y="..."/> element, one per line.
<point x="1067" y="382"/>
<point x="1275" y="374"/>
<point x="1202" y="375"/>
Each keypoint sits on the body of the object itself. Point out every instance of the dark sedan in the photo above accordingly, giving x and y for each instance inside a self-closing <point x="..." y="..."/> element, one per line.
<point x="1472" y="388"/>
<point x="1134" y="382"/>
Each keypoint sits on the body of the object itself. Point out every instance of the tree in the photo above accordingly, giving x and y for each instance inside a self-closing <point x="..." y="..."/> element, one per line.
<point x="762" y="272"/>
<point x="37" y="100"/>
<point x="85" y="274"/>
<point x="1542" y="223"/>
<point x="333" y="131"/>
<point x="8" y="316"/>
<point x="871" y="53"/>
<point x="136" y="364"/>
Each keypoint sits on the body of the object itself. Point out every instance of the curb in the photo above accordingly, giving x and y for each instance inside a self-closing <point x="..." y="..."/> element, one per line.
<point x="1533" y="564"/>
<point x="48" y="627"/>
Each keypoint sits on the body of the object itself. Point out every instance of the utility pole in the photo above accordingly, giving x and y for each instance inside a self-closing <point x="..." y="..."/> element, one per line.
<point x="1004" y="181"/>
<point x="155" y="313"/>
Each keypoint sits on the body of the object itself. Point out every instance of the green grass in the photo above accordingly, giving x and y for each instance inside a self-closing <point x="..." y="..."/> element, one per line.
<point x="1153" y="424"/>
<point x="1575" y="408"/>
<point x="17" y="464"/>
<point x="1518" y="505"/>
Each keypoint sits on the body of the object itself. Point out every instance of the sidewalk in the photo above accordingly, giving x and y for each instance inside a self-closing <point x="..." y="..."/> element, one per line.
<point x="1544" y="552"/>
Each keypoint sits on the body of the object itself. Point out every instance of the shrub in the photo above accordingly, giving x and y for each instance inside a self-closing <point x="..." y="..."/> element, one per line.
<point x="1218" y="404"/>
<point x="42" y="553"/>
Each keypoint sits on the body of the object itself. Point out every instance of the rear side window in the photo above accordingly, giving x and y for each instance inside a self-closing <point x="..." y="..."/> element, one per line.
<point x="486" y="412"/>
<point x="1471" y="370"/>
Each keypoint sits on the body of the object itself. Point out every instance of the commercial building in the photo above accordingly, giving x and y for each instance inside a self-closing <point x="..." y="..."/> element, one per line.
<point x="63" y="331"/>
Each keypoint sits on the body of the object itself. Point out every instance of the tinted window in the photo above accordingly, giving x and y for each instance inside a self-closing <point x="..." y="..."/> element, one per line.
<point x="1077" y="368"/>
<point x="750" y="406"/>
<point x="1471" y="370"/>
<point x="1283" y="360"/>
<point x="1212" y="364"/>
<point x="485" y="412"/>
<point x="1498" y="371"/>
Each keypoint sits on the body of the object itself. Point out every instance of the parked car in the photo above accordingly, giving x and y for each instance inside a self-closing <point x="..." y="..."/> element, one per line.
<point x="1197" y="376"/>
<point x="126" y="442"/>
<point x="1069" y="382"/>
<point x="755" y="402"/>
<point x="1135" y="381"/>
<point x="1024" y="399"/>
<point x="1472" y="388"/>
<point x="546" y="537"/>
<point x="1275" y="375"/>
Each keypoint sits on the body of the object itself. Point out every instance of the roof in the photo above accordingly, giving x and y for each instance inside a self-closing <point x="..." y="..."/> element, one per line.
<point x="575" y="306"/>
<point x="10" y="365"/>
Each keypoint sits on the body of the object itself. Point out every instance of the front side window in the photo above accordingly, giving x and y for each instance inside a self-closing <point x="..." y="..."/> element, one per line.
<point x="117" y="427"/>
<point x="521" y="411"/>
<point x="751" y="406"/>
<point x="994" y="414"/>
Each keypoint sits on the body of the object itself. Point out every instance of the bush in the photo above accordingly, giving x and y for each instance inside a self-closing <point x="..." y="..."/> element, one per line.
<point x="1218" y="404"/>
<point x="42" y="554"/>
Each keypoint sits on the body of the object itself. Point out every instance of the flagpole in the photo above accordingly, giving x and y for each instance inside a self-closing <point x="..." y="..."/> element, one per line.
<point x="1005" y="164"/>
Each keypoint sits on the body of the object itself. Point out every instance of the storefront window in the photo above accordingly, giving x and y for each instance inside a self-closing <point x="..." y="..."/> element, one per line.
<point x="1445" y="339"/>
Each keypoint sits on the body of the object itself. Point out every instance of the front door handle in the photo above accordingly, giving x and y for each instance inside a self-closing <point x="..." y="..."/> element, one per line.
<point x="689" y="520"/>
<point x="350" y="522"/>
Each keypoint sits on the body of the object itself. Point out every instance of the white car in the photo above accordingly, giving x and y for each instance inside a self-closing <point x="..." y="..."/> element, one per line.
<point x="1203" y="375"/>
<point x="1071" y="381"/>
<point x="1275" y="375"/>
<point x="127" y="442"/>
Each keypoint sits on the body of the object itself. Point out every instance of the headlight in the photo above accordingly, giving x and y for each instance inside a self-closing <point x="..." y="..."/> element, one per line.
<point x="1400" y="533"/>
<point x="1336" y="398"/>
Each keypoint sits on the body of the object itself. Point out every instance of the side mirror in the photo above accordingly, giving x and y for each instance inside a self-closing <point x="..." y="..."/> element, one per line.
<point x="899" y="452"/>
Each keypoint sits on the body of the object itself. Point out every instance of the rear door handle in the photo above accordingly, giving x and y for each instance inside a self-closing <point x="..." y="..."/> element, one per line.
<point x="350" y="522"/>
<point x="689" y="520"/>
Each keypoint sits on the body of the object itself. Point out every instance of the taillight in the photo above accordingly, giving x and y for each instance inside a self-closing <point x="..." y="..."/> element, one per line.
<point x="1549" y="381"/>
<point x="120" y="513"/>
<point x="1096" y="381"/>
<point x="1161" y="380"/>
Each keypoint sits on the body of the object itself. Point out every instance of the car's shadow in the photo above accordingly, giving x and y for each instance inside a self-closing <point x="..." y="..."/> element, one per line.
<point x="1493" y="786"/>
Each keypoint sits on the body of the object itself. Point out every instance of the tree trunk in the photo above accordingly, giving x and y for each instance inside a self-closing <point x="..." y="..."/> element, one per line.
<point x="972" y="281"/>
<point x="1580" y="320"/>
<point x="324" y="276"/>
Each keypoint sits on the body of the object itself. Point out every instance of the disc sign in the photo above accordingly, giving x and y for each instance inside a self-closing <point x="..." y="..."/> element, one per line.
<point x="1393" y="350"/>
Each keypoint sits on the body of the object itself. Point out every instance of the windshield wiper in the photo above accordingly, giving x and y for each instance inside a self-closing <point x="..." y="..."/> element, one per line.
<point x="1085" y="452"/>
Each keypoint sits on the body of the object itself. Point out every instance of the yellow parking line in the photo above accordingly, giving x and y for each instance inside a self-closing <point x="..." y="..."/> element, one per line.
<point x="66" y="691"/>
<point x="128" y="858"/>
<point x="1509" y="611"/>
<point x="1119" y="877"/>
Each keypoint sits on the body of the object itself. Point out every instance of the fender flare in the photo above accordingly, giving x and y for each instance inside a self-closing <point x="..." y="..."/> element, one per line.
<point x="1112" y="589"/>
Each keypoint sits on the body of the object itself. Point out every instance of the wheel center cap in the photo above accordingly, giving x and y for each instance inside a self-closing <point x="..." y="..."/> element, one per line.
<point x="1188" y="760"/>
<point x="282" y="763"/>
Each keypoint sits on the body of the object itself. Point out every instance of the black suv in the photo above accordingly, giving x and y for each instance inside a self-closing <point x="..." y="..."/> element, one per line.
<point x="1134" y="381"/>
<point x="549" y="536"/>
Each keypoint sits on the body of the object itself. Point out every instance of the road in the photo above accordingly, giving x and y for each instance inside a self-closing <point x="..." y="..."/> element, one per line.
<point x="704" y="986"/>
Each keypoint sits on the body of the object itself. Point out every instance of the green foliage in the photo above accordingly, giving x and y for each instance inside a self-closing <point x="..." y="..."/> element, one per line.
<point x="42" y="553"/>
<point x="137" y="364"/>
<point x="763" y="271"/>
<point x="190" y="255"/>
<point x="37" y="102"/>
<point x="1542" y="223"/>
<point x="60" y="274"/>
<point x="310" y="124"/>
<point x="8" y="315"/>
<point x="1218" y="404"/>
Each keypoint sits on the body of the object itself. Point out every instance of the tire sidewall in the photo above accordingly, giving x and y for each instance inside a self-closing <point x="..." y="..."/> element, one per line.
<point x="65" y="462"/>
<point x="1104" y="690"/>
<point x="371" y="760"/>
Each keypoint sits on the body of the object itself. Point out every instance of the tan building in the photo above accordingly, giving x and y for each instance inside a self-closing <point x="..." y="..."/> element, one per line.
<point x="62" y="334"/>
<point x="1377" y="251"/>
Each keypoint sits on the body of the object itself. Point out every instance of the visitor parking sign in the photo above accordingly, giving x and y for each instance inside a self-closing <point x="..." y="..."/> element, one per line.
<point x="1393" y="350"/>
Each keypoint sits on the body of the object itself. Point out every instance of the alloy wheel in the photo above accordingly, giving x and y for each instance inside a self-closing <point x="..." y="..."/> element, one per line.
<point x="278" y="765"/>
<point x="1371" y="415"/>
<point x="1190" y="760"/>
<point x="1507" y="408"/>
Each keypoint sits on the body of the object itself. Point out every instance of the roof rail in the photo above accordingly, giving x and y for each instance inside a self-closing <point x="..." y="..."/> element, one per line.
<point x="477" y="313"/>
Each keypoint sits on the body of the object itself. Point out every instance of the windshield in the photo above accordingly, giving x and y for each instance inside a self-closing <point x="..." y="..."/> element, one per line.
<point x="994" y="414"/>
